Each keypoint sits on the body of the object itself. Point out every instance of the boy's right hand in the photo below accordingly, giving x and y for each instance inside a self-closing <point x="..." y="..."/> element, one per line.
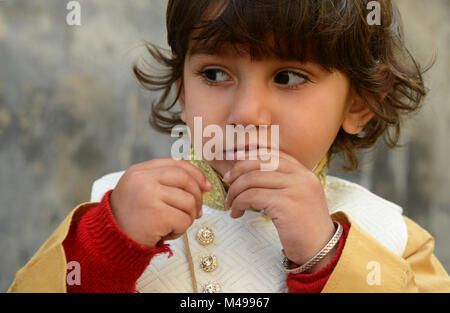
<point x="158" y="199"/>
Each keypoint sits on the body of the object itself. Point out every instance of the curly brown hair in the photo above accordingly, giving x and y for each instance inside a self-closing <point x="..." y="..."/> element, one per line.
<point x="332" y="33"/>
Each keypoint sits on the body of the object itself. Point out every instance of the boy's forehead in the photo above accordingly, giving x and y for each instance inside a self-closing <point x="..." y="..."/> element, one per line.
<point x="233" y="50"/>
<point x="230" y="47"/>
<point x="225" y="50"/>
<point x="265" y="49"/>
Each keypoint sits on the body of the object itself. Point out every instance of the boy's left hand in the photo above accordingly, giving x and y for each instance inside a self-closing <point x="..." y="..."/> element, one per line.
<point x="292" y="196"/>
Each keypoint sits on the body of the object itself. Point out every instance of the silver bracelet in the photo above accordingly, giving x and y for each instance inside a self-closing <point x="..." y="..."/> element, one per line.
<point x="319" y="256"/>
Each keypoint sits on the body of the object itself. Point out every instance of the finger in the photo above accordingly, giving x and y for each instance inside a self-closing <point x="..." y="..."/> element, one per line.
<point x="251" y="198"/>
<point x="286" y="156"/>
<point x="274" y="153"/>
<point x="167" y="162"/>
<point x="242" y="167"/>
<point x="180" y="178"/>
<point x="181" y="200"/>
<point x="255" y="179"/>
<point x="181" y="221"/>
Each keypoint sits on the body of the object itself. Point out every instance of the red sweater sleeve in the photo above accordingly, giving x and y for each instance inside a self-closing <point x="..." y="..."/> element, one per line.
<point x="109" y="260"/>
<point x="314" y="283"/>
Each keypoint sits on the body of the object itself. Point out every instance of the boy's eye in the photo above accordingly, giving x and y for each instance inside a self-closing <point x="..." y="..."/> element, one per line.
<point x="290" y="78"/>
<point x="215" y="75"/>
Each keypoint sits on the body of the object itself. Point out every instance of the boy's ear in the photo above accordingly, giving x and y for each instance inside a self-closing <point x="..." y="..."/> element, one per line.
<point x="357" y="116"/>
<point x="181" y="98"/>
<point x="358" y="113"/>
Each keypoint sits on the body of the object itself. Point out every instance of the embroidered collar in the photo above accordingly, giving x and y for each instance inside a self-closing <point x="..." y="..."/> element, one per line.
<point x="216" y="197"/>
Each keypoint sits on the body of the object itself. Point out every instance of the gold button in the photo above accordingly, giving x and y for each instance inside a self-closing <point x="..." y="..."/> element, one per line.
<point x="211" y="287"/>
<point x="208" y="263"/>
<point x="205" y="236"/>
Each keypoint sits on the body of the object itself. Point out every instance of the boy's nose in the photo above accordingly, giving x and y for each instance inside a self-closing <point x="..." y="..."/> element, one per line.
<point x="250" y="105"/>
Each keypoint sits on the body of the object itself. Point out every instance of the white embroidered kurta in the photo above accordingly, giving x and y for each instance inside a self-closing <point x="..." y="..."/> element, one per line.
<point x="248" y="249"/>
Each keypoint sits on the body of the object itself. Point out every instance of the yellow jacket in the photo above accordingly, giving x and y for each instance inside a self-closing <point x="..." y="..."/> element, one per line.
<point x="366" y="264"/>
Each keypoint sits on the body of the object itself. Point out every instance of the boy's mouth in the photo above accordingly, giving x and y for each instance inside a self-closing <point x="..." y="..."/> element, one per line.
<point x="243" y="152"/>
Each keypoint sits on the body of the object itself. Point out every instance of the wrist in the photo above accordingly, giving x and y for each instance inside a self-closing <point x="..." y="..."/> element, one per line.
<point x="319" y="260"/>
<point x="324" y="262"/>
<point x="305" y="252"/>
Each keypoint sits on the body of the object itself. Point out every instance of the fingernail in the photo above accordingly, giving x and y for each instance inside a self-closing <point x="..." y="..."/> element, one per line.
<point x="208" y="184"/>
<point x="226" y="176"/>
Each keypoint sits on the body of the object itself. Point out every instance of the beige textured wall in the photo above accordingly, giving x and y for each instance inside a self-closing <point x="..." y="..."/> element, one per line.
<point x="70" y="111"/>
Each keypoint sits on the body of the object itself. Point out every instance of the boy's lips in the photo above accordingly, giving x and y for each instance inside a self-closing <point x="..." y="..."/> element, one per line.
<point x="246" y="147"/>
<point x="242" y="153"/>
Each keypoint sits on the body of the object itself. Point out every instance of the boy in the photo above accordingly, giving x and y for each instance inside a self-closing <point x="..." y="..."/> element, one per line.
<point x="332" y="84"/>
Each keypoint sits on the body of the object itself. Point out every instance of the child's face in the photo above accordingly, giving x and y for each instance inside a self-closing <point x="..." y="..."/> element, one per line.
<point x="308" y="103"/>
